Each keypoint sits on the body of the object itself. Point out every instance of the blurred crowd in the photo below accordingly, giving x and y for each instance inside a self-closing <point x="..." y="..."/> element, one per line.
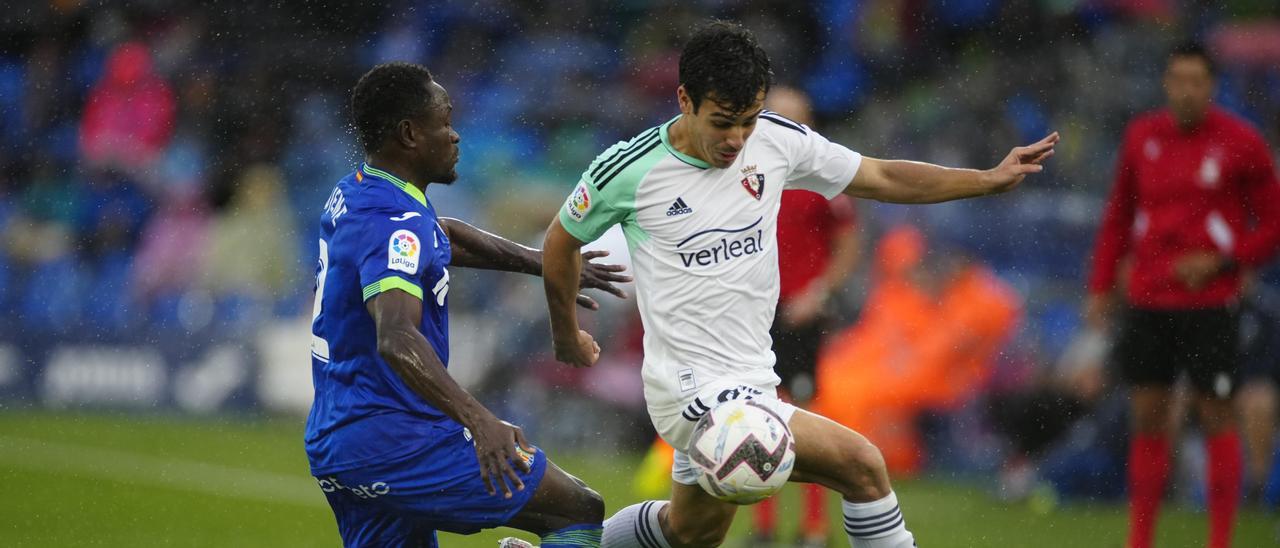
<point x="162" y="166"/>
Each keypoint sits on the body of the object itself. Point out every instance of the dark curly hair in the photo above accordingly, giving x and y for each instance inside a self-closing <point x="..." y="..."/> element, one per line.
<point x="724" y="58"/>
<point x="384" y="96"/>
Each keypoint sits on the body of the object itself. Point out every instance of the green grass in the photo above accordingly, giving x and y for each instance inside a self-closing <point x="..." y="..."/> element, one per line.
<point x="113" y="480"/>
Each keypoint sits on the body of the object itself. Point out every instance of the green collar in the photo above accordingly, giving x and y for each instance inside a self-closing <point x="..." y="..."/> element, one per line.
<point x="666" y="142"/>
<point x="408" y="188"/>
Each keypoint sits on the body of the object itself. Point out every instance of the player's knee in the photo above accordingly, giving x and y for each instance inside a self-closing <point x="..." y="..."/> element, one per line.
<point x="866" y="477"/>
<point x="592" y="506"/>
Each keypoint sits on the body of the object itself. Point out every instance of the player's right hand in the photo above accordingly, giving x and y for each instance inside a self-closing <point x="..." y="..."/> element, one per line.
<point x="1097" y="311"/>
<point x="582" y="352"/>
<point x="495" y="442"/>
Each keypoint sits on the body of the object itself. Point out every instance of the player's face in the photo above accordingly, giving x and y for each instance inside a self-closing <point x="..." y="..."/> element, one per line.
<point x="1189" y="86"/>
<point x="718" y="134"/>
<point x="438" y="150"/>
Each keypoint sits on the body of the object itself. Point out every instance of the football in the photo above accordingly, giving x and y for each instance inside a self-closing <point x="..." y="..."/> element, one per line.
<point x="744" y="451"/>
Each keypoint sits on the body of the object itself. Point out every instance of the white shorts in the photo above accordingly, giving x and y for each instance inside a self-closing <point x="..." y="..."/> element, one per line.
<point x="677" y="428"/>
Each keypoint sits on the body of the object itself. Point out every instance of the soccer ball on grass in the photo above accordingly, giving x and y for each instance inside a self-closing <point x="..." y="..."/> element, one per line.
<point x="743" y="450"/>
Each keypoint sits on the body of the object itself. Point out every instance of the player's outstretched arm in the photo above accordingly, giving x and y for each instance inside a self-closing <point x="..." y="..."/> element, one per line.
<point x="561" y="264"/>
<point x="476" y="248"/>
<point x="907" y="182"/>
<point x="395" y="315"/>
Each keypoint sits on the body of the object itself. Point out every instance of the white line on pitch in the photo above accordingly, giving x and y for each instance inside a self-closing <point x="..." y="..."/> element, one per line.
<point x="185" y="475"/>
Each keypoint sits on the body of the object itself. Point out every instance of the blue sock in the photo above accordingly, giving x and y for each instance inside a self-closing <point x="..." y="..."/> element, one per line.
<point x="574" y="536"/>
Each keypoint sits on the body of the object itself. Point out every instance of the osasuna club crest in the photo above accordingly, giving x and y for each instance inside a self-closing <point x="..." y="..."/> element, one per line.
<point x="753" y="182"/>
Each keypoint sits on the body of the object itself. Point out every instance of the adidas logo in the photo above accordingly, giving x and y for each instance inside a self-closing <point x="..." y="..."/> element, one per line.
<point x="678" y="207"/>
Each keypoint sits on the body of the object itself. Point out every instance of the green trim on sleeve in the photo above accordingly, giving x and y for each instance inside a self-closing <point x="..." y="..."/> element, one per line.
<point x="389" y="283"/>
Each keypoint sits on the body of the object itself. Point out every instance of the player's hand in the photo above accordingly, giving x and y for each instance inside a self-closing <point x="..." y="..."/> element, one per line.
<point x="1020" y="162"/>
<point x="496" y="442"/>
<point x="580" y="352"/>
<point x="1097" y="311"/>
<point x="805" y="307"/>
<point x="600" y="276"/>
<point x="1197" y="269"/>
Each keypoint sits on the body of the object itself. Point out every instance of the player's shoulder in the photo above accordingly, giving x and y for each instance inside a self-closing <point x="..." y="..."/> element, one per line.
<point x="611" y="165"/>
<point x="780" y="132"/>
<point x="1236" y="124"/>
<point x="777" y="124"/>
<point x="366" y="192"/>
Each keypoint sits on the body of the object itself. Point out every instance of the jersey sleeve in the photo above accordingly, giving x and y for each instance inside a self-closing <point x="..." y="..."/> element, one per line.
<point x="391" y="254"/>
<point x="602" y="198"/>
<point x="1262" y="196"/>
<point x="815" y="163"/>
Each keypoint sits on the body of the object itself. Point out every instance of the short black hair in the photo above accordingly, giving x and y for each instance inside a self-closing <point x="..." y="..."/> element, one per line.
<point x="388" y="93"/>
<point x="724" y="58"/>
<point x="1193" y="48"/>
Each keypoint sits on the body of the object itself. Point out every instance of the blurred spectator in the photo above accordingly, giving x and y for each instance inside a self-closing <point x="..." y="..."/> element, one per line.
<point x="252" y="258"/>
<point x="129" y="115"/>
<point x="926" y="341"/>
<point x="173" y="246"/>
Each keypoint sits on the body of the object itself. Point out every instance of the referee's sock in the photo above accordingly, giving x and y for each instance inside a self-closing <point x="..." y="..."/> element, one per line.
<point x="585" y="535"/>
<point x="1148" y="472"/>
<point x="1225" y="464"/>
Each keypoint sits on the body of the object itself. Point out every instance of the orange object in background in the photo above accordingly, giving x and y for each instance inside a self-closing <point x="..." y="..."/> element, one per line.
<point x="925" y="341"/>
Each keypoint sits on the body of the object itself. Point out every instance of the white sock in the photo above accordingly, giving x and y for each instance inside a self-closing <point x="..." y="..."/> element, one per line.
<point x="635" y="526"/>
<point x="876" y="524"/>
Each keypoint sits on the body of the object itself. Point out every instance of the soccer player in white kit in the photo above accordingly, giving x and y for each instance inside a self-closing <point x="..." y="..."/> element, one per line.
<point x="698" y="200"/>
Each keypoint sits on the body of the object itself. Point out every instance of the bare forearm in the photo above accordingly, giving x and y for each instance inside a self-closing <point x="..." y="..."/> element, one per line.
<point x="908" y="182"/>
<point x="412" y="358"/>
<point x="923" y="183"/>
<point x="476" y="248"/>
<point x="561" y="270"/>
<point x="844" y="258"/>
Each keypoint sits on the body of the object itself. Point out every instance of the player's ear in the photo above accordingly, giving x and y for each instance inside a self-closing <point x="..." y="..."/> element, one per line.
<point x="686" y="103"/>
<point x="406" y="133"/>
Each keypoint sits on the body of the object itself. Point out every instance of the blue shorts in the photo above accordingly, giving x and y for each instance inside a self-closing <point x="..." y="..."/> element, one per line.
<point x="405" y="501"/>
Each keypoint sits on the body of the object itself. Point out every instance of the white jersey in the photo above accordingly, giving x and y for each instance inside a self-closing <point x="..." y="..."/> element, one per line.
<point x="703" y="246"/>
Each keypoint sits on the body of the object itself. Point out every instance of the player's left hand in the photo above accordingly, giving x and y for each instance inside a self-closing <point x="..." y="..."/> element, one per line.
<point x="1020" y="162"/>
<point x="600" y="276"/>
<point x="1196" y="269"/>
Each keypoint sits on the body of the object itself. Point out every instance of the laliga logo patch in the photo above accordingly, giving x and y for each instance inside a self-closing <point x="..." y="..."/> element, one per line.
<point x="403" y="251"/>
<point x="753" y="182"/>
<point x="579" y="203"/>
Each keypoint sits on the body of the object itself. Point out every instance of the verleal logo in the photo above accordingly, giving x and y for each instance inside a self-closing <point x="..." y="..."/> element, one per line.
<point x="403" y="251"/>
<point x="579" y="203"/>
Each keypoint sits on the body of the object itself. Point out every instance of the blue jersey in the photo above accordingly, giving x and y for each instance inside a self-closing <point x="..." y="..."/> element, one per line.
<point x="377" y="233"/>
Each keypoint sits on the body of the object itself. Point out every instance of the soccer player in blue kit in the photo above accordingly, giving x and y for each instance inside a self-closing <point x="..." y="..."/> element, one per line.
<point x="399" y="449"/>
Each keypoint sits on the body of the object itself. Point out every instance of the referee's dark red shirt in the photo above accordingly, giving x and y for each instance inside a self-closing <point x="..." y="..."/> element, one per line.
<point x="807" y="224"/>
<point x="1212" y="187"/>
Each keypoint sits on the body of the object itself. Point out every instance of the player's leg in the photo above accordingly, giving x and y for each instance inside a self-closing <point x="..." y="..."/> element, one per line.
<point x="363" y="520"/>
<point x="563" y="511"/>
<point x="1147" y="364"/>
<point x="801" y="389"/>
<point x="1212" y="337"/>
<point x="832" y="455"/>
<point x="691" y="519"/>
<point x="789" y="345"/>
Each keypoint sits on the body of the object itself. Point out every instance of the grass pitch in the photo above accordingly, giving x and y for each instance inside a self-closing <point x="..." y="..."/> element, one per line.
<point x="121" y="480"/>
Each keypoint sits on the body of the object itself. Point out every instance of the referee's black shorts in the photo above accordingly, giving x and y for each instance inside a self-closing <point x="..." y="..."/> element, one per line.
<point x="1154" y="346"/>
<point x="796" y="348"/>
